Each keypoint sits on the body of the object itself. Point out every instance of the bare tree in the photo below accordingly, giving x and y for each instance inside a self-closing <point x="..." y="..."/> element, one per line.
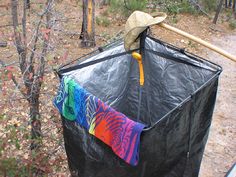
<point x="32" y="51"/>
<point x="218" y="11"/>
<point x="88" y="25"/>
<point x="233" y="7"/>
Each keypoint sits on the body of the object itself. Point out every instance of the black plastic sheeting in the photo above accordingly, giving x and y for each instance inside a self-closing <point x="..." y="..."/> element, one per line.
<point x="177" y="105"/>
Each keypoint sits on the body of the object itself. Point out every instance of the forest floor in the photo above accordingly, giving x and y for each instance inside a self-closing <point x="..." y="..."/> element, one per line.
<point x="220" y="152"/>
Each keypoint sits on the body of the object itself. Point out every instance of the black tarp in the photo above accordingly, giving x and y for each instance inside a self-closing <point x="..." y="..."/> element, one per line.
<point x="178" y="99"/>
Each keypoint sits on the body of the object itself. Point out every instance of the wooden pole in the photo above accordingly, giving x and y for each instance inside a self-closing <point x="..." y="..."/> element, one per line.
<point x="200" y="41"/>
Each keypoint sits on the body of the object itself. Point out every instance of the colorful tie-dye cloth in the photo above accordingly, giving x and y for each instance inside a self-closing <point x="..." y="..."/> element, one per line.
<point x="113" y="128"/>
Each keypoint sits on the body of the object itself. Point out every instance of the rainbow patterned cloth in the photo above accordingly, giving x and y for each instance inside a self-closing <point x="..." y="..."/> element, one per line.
<point x="112" y="127"/>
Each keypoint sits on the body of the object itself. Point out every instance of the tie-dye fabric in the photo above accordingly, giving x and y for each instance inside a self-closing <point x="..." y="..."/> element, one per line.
<point x="112" y="127"/>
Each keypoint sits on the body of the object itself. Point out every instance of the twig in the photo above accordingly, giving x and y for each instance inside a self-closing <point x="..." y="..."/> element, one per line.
<point x="35" y="42"/>
<point x="13" y="79"/>
<point x="24" y="23"/>
<point x="3" y="26"/>
<point x="198" y="7"/>
<point x="18" y="86"/>
<point x="215" y="29"/>
<point x="40" y="71"/>
<point x="19" y="47"/>
<point x="8" y="64"/>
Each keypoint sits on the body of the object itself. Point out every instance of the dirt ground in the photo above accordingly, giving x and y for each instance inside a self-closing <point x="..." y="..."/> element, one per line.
<point x="220" y="152"/>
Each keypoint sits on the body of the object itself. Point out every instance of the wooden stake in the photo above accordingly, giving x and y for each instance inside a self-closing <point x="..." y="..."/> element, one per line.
<point x="200" y="41"/>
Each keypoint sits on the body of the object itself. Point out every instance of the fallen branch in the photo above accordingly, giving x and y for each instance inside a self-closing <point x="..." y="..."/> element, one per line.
<point x="3" y="26"/>
<point x="215" y="29"/>
<point x="8" y="64"/>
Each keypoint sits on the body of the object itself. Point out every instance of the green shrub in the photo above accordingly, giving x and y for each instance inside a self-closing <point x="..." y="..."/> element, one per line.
<point x="172" y="8"/>
<point x="12" y="168"/>
<point x="174" y="19"/>
<point x="136" y="4"/>
<point x="232" y="24"/>
<point x="115" y="5"/>
<point x="176" y="7"/>
<point x="102" y="21"/>
<point x="127" y="7"/>
<point x="8" y="166"/>
<point x="98" y="21"/>
<point x="105" y="13"/>
<point x="209" y="5"/>
<point x="186" y="7"/>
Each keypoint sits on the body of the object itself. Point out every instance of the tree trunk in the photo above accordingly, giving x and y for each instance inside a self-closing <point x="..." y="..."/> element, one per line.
<point x="226" y="3"/>
<point x="234" y="11"/>
<point x="35" y="122"/>
<point x="82" y="31"/>
<point x="28" y="4"/>
<point x="88" y="36"/>
<point x="218" y="11"/>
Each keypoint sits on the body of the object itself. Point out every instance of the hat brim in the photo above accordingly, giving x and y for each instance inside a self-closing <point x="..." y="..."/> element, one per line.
<point x="131" y="37"/>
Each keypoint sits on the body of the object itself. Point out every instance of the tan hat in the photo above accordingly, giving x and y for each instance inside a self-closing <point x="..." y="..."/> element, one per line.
<point x="137" y="22"/>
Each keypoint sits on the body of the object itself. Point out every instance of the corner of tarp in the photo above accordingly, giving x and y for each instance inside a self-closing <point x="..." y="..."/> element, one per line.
<point x="56" y="71"/>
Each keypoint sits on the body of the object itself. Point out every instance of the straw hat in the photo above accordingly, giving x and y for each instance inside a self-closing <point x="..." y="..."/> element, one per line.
<point x="137" y="22"/>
